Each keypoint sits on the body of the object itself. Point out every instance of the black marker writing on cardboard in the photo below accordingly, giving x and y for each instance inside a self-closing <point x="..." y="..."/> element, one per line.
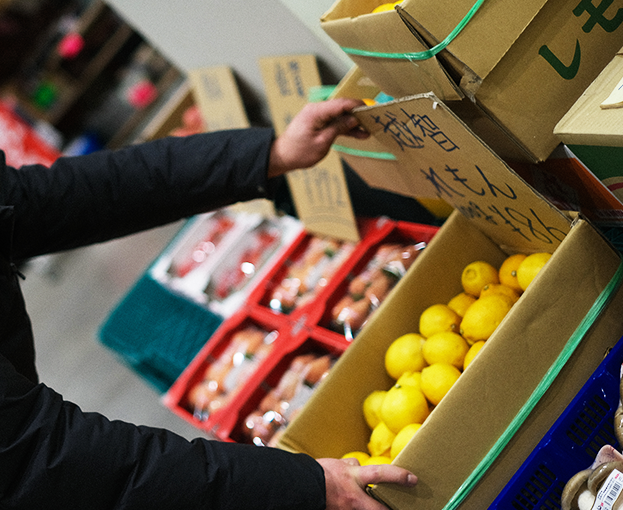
<point x="412" y="132"/>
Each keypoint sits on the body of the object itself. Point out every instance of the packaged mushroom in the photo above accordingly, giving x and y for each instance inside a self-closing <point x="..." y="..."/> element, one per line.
<point x="246" y="350"/>
<point x="368" y="289"/>
<point x="263" y="426"/>
<point x="601" y="484"/>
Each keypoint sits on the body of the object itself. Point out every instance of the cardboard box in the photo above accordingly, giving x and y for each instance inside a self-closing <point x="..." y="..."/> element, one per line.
<point x="497" y="214"/>
<point x="521" y="67"/>
<point x="593" y="133"/>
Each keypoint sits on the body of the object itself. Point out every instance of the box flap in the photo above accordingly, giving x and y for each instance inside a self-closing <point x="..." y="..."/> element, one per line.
<point x="439" y="151"/>
<point x="320" y="194"/>
<point x="586" y="123"/>
<point x="496" y="26"/>
<point x="385" y="32"/>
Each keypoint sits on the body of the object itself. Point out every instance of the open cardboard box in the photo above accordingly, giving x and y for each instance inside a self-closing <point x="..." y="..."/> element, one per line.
<point x="520" y="67"/>
<point x="497" y="214"/>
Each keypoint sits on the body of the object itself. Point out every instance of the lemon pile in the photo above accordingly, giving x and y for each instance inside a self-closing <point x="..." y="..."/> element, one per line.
<point x="426" y="364"/>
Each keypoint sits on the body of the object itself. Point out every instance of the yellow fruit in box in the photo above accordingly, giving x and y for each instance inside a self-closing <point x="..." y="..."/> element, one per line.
<point x="360" y="456"/>
<point x="381" y="440"/>
<point x="405" y="355"/>
<point x="445" y="347"/>
<point x="402" y="438"/>
<point x="385" y="7"/>
<point x="484" y="316"/>
<point x="438" y="318"/>
<point x="376" y="460"/>
<point x="403" y="405"/>
<point x="508" y="271"/>
<point x="437" y="380"/>
<point x="372" y="407"/>
<point x="499" y="288"/>
<point x="471" y="354"/>
<point x="476" y="275"/>
<point x="410" y="379"/>
<point x="461" y="302"/>
<point x="530" y="267"/>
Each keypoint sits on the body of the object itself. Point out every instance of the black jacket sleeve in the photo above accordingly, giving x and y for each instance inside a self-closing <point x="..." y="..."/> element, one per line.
<point x="94" y="198"/>
<point x="54" y="456"/>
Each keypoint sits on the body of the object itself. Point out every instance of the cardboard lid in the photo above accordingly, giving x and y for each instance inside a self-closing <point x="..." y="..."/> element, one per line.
<point x="587" y="122"/>
<point x="440" y="154"/>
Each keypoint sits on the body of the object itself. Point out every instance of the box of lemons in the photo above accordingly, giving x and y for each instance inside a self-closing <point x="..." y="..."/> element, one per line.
<point x="381" y="440"/>
<point x="389" y="6"/>
<point x="500" y="288"/>
<point x="359" y="455"/>
<point x="372" y="407"/>
<point x="402" y="438"/>
<point x="508" y="271"/>
<point x="471" y="354"/>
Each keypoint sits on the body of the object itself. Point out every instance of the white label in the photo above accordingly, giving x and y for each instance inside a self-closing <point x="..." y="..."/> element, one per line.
<point x="609" y="492"/>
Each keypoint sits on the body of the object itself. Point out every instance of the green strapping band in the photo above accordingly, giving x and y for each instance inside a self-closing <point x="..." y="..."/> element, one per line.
<point x="421" y="55"/>
<point x="598" y="306"/>
<point x="364" y="154"/>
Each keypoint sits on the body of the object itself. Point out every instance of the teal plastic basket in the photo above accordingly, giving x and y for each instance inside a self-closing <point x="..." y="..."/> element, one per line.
<point x="158" y="332"/>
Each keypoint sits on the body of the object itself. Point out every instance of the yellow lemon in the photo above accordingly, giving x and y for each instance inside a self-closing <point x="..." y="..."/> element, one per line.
<point x="461" y="302"/>
<point x="445" y="347"/>
<point x="360" y="456"/>
<point x="530" y="267"/>
<point x="368" y="102"/>
<point x="484" y="316"/>
<point x="381" y="440"/>
<point x="476" y="275"/>
<point x="410" y="379"/>
<point x="402" y="438"/>
<point x="372" y="407"/>
<point x="403" y="405"/>
<point x="499" y="288"/>
<point x="377" y="459"/>
<point x="405" y="355"/>
<point x="508" y="271"/>
<point x="437" y="380"/>
<point x="471" y="354"/>
<point x="386" y="7"/>
<point x="438" y="318"/>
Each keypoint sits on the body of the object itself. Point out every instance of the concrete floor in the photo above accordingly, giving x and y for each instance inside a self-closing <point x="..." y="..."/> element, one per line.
<point x="69" y="296"/>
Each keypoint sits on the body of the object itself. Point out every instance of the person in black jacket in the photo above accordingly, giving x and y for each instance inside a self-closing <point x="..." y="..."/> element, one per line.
<point x="53" y="455"/>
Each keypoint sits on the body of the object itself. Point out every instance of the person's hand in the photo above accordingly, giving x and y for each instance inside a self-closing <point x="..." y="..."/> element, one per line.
<point x="308" y="137"/>
<point x="346" y="483"/>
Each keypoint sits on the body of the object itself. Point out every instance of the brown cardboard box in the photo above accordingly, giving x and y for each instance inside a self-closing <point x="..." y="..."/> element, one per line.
<point x="501" y="215"/>
<point x="523" y="66"/>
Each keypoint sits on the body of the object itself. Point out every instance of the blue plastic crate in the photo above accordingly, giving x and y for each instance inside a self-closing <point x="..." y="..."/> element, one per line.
<point x="158" y="332"/>
<point x="571" y="444"/>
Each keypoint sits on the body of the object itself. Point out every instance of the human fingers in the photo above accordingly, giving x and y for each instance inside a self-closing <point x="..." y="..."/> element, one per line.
<point x="328" y="111"/>
<point x="386" y="473"/>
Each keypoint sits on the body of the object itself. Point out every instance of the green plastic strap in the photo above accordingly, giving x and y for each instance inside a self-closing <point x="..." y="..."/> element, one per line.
<point x="421" y="55"/>
<point x="575" y="339"/>
<point x="364" y="154"/>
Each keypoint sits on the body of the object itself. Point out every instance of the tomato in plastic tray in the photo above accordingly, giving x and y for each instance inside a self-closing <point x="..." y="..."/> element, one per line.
<point x="310" y="273"/>
<point x="244" y="262"/>
<point x="283" y="393"/>
<point x="375" y="276"/>
<point x="310" y="268"/>
<point x="225" y="372"/>
<point x="213" y="231"/>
